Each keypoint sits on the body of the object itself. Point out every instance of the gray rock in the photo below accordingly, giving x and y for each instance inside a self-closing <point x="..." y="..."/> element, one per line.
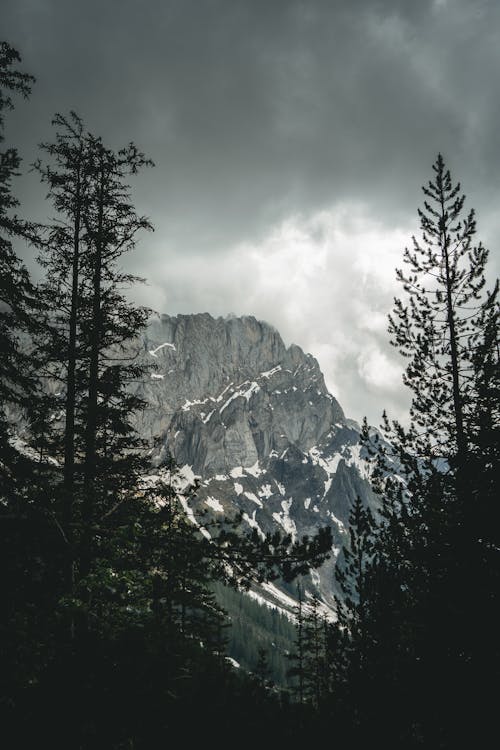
<point x="254" y="421"/>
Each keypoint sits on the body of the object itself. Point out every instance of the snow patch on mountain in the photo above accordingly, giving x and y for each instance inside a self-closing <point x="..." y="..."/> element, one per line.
<point x="270" y="373"/>
<point x="254" y="470"/>
<point x="284" y="519"/>
<point x="253" y="498"/>
<point x="215" y="504"/>
<point x="265" y="491"/>
<point x="153" y="352"/>
<point x="253" y="524"/>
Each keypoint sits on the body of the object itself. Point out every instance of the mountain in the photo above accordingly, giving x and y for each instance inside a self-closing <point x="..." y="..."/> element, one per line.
<point x="254" y="421"/>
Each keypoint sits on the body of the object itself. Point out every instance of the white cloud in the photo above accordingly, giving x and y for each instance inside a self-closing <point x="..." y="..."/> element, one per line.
<point x="325" y="281"/>
<point x="378" y="371"/>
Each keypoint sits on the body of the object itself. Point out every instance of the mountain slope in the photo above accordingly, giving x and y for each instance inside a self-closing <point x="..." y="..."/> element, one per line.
<point x="254" y="421"/>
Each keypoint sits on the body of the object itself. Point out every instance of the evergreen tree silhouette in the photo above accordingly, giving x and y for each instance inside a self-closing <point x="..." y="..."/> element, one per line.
<point x="429" y="551"/>
<point x="17" y="301"/>
<point x="91" y="331"/>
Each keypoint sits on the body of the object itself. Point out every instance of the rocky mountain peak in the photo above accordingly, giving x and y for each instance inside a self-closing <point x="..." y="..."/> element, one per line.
<point x="199" y="358"/>
<point x="254" y="421"/>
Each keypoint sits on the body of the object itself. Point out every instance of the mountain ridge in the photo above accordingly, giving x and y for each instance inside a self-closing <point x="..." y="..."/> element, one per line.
<point x="253" y="421"/>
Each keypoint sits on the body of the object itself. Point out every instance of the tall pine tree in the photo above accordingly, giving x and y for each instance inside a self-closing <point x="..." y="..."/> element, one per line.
<point x="16" y="290"/>
<point x="432" y="548"/>
<point x="87" y="351"/>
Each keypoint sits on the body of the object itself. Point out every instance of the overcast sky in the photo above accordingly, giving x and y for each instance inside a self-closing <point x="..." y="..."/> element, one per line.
<point x="290" y="140"/>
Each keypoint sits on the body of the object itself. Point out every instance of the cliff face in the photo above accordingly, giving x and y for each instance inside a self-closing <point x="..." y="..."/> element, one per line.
<point x="254" y="420"/>
<point x="202" y="360"/>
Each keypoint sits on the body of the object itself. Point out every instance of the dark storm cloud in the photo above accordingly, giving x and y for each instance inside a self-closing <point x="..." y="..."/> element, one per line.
<point x="255" y="111"/>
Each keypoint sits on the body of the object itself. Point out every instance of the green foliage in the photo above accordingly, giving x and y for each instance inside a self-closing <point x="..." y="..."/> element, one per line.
<point x="111" y="629"/>
<point x="255" y="628"/>
<point x="437" y="327"/>
<point x="90" y="326"/>
<point x="418" y="618"/>
<point x="17" y="302"/>
<point x="410" y="637"/>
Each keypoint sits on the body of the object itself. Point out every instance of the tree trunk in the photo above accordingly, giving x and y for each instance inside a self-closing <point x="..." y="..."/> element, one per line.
<point x="69" y="426"/>
<point x="92" y="406"/>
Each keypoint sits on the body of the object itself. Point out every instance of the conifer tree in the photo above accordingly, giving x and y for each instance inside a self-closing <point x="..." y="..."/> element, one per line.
<point x="435" y="330"/>
<point x="29" y="534"/>
<point x="432" y="545"/>
<point x="87" y="346"/>
<point x="297" y="657"/>
<point x="68" y="178"/>
<point x="16" y="290"/>
<point x="352" y="638"/>
<point x="351" y="572"/>
<point x="244" y="557"/>
<point x="174" y="553"/>
<point x="262" y="669"/>
<point x="315" y="671"/>
<point x="112" y="462"/>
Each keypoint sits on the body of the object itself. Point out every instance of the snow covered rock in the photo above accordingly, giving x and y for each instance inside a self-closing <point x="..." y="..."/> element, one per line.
<point x="254" y="421"/>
